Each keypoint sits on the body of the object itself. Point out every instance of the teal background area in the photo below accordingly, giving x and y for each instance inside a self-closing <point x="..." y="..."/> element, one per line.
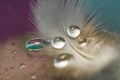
<point x="111" y="12"/>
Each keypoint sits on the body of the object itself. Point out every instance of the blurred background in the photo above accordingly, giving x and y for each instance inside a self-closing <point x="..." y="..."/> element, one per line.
<point x="14" y="18"/>
<point x="111" y="11"/>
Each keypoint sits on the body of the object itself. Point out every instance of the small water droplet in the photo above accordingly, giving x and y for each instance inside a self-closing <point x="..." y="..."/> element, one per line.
<point x="36" y="44"/>
<point x="82" y="42"/>
<point x="62" y="60"/>
<point x="33" y="77"/>
<point x="22" y="65"/>
<point x="58" y="42"/>
<point x="14" y="52"/>
<point x="73" y="31"/>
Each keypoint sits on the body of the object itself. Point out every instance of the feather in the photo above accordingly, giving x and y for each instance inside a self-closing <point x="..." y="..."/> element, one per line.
<point x="53" y="17"/>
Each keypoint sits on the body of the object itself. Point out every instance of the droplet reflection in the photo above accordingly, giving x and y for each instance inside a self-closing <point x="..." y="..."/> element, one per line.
<point x="36" y="44"/>
<point x="62" y="60"/>
<point x="73" y="31"/>
<point x="58" y="42"/>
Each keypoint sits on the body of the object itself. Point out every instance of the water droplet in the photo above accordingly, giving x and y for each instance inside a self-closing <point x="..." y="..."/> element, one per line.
<point x="35" y="44"/>
<point x="62" y="60"/>
<point x="22" y="65"/>
<point x="82" y="42"/>
<point x="14" y="52"/>
<point x="58" y="42"/>
<point x="33" y="77"/>
<point x="73" y="31"/>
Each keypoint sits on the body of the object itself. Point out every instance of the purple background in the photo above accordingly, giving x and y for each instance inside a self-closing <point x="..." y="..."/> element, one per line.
<point x="14" y="18"/>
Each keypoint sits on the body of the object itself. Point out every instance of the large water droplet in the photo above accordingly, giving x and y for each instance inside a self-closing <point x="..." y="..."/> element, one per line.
<point x="35" y="44"/>
<point x="73" y="31"/>
<point x="58" y="42"/>
<point x="62" y="60"/>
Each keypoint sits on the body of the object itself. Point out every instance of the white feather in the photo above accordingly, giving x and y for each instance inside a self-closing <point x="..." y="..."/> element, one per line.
<point x="52" y="17"/>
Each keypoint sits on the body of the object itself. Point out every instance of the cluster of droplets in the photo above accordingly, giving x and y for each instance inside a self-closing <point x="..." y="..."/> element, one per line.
<point x="62" y="60"/>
